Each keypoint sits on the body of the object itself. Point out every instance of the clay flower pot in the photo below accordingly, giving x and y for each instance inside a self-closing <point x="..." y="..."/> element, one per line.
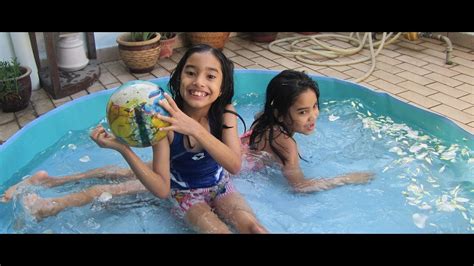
<point x="12" y="100"/>
<point x="263" y="36"/>
<point x="214" y="39"/>
<point x="139" y="56"/>
<point x="167" y="46"/>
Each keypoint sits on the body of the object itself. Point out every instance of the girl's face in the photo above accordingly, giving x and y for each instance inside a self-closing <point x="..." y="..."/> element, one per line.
<point x="201" y="80"/>
<point x="301" y="117"/>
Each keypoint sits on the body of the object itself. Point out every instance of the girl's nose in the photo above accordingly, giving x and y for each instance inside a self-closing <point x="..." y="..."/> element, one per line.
<point x="198" y="81"/>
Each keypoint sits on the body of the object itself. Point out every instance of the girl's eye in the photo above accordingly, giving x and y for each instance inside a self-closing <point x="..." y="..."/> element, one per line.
<point x="302" y="112"/>
<point x="211" y="76"/>
<point x="189" y="73"/>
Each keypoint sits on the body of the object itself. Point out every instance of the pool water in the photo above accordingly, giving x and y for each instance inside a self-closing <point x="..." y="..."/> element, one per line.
<point x="423" y="165"/>
<point x="422" y="184"/>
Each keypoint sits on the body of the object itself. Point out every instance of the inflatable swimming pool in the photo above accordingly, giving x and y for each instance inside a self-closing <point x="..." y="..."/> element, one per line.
<point x="353" y="117"/>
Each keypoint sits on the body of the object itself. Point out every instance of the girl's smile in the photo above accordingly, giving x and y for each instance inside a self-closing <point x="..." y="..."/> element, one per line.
<point x="198" y="93"/>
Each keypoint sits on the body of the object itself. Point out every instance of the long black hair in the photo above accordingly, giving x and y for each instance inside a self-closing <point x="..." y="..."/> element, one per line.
<point x="281" y="94"/>
<point x="227" y="88"/>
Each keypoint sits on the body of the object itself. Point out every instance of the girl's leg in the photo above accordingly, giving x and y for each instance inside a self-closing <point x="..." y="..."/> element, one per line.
<point x="42" y="208"/>
<point x="201" y="217"/>
<point x="42" y="178"/>
<point x="37" y="178"/>
<point x="235" y="209"/>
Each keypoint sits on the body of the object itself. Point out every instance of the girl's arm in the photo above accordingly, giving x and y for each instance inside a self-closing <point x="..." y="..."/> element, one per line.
<point x="313" y="185"/>
<point x="157" y="180"/>
<point x="292" y="171"/>
<point x="225" y="152"/>
<point x="291" y="167"/>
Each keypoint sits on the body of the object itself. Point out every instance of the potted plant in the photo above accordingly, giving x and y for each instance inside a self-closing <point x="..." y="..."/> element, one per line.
<point x="139" y="50"/>
<point x="263" y="36"/>
<point x="168" y="40"/>
<point x="214" y="39"/>
<point x="15" y="86"/>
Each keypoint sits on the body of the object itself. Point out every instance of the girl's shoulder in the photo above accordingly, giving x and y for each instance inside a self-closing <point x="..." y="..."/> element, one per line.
<point x="230" y="114"/>
<point x="283" y="140"/>
<point x="229" y="107"/>
<point x="279" y="133"/>
<point x="229" y="111"/>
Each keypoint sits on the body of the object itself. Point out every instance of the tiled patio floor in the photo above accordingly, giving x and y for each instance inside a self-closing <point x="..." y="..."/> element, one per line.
<point x="414" y="72"/>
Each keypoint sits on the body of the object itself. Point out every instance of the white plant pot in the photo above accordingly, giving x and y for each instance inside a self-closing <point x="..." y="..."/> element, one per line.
<point x="71" y="53"/>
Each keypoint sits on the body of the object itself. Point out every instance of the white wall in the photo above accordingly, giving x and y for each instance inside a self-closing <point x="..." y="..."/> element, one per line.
<point x="105" y="39"/>
<point x="6" y="52"/>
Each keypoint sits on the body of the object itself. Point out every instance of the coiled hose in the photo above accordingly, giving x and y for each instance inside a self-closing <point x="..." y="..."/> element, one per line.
<point x="323" y="49"/>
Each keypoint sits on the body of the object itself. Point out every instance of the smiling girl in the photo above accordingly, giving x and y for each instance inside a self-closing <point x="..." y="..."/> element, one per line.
<point x="291" y="106"/>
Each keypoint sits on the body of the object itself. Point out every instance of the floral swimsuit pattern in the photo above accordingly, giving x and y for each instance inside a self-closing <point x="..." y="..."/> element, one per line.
<point x="184" y="199"/>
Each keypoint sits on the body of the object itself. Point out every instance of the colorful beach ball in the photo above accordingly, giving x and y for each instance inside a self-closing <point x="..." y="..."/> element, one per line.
<point x="131" y="113"/>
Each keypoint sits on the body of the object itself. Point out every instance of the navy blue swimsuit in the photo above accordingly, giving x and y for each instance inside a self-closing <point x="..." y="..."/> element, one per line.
<point x="191" y="170"/>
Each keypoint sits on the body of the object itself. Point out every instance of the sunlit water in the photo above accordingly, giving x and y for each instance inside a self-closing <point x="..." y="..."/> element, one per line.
<point x="422" y="184"/>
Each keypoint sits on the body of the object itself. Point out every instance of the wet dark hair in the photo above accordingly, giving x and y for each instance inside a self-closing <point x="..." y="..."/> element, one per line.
<point x="227" y="88"/>
<point x="281" y="94"/>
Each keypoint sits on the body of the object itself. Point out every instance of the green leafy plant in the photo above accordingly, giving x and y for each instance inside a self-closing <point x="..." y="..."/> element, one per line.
<point x="9" y="71"/>
<point x="167" y="35"/>
<point x="142" y="36"/>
